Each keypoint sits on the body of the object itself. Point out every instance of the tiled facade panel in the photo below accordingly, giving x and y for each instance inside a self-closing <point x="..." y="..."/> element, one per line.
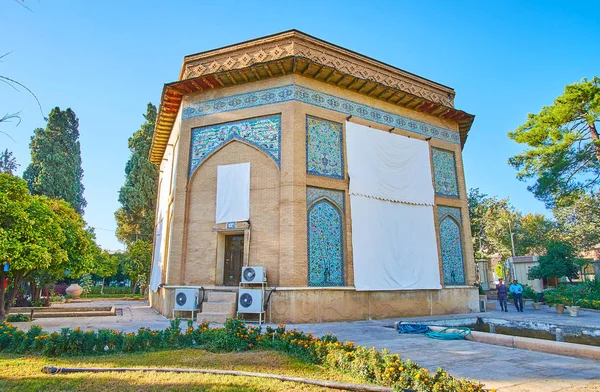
<point x="444" y="173"/>
<point x="325" y="237"/>
<point x="451" y="245"/>
<point x="324" y="148"/>
<point x="263" y="133"/>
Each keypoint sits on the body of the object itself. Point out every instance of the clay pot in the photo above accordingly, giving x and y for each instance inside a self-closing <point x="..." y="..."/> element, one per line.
<point x="536" y="305"/>
<point x="560" y="308"/>
<point x="75" y="290"/>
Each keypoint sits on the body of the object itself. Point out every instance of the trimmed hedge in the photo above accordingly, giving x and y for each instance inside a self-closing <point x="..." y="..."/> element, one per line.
<point x="374" y="366"/>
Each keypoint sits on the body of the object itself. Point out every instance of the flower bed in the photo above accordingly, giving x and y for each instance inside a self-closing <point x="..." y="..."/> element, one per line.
<point x="378" y="367"/>
<point x="586" y="295"/>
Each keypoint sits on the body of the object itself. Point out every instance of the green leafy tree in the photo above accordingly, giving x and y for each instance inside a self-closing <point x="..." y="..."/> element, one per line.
<point x="30" y="237"/>
<point x="580" y="221"/>
<point x="8" y="164"/>
<point x="491" y="222"/>
<point x="106" y="265"/>
<point x="560" y="260"/>
<point x="137" y="264"/>
<point x="563" y="152"/>
<point x="135" y="218"/>
<point x="55" y="170"/>
<point x="533" y="233"/>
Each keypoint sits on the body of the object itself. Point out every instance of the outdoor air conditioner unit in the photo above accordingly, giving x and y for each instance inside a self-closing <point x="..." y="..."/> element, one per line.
<point x="250" y="301"/>
<point x="186" y="300"/>
<point x="482" y="303"/>
<point x="254" y="274"/>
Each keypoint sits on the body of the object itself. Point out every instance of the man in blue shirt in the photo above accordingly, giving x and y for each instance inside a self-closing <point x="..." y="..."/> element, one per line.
<point x="517" y="291"/>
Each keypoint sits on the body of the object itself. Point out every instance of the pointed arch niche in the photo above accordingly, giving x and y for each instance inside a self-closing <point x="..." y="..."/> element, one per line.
<point x="325" y="222"/>
<point x="451" y="245"/>
<point x="263" y="133"/>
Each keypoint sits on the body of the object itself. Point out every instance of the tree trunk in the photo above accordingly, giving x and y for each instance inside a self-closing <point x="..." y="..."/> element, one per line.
<point x="35" y="291"/>
<point x="8" y="300"/>
<point x="3" y="314"/>
<point x="595" y="139"/>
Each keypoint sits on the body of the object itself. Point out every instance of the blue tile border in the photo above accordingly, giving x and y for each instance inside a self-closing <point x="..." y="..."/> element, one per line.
<point x="303" y="94"/>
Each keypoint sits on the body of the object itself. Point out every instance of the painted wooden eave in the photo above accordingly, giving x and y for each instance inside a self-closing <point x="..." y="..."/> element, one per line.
<point x="431" y="98"/>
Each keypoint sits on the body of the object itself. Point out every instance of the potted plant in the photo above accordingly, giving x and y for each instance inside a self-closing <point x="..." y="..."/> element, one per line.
<point x="573" y="307"/>
<point x="536" y="303"/>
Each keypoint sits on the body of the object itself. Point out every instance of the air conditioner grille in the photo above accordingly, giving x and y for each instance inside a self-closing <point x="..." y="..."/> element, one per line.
<point x="246" y="300"/>
<point x="249" y="274"/>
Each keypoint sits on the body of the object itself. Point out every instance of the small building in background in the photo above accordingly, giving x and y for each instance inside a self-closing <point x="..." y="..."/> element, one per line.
<point x="519" y="268"/>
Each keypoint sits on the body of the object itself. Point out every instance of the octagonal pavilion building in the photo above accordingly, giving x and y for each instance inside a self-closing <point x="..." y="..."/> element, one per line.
<point x="340" y="175"/>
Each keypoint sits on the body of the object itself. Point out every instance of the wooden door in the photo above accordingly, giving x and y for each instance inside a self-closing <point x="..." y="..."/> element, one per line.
<point x="234" y="256"/>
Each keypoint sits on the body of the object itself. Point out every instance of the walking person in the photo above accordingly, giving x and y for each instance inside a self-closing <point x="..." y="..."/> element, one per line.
<point x="517" y="291"/>
<point x="502" y="295"/>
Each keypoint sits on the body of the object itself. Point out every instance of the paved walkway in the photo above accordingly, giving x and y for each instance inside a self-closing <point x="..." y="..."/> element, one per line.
<point x="507" y="369"/>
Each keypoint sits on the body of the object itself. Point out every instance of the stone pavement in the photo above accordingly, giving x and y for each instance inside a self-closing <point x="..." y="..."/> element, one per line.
<point x="504" y="368"/>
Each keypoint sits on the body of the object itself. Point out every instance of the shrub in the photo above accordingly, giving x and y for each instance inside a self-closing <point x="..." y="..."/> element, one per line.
<point x="60" y="289"/>
<point x="17" y="318"/>
<point x="86" y="283"/>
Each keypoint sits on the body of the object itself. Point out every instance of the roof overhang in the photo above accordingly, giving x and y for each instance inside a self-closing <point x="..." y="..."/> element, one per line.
<point x="293" y="52"/>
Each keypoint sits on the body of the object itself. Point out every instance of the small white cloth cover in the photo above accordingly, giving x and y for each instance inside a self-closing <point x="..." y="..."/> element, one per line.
<point x="391" y="197"/>
<point x="390" y="167"/>
<point x="233" y="193"/>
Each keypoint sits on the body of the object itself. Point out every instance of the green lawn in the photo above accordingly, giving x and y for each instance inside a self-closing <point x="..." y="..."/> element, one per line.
<point x="19" y="373"/>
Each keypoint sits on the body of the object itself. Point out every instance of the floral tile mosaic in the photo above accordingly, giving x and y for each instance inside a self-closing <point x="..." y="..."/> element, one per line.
<point x="444" y="173"/>
<point x="302" y="94"/>
<point x="453" y="267"/>
<point x="324" y="148"/>
<point x="335" y="196"/>
<point x="325" y="245"/>
<point x="264" y="133"/>
<point x="455" y="212"/>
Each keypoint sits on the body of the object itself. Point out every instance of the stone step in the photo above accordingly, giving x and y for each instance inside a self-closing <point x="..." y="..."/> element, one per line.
<point x="212" y="317"/>
<point x="221" y="296"/>
<point x="219" y="307"/>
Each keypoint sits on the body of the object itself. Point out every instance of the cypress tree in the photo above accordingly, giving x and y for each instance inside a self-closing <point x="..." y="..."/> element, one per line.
<point x="135" y="219"/>
<point x="55" y="169"/>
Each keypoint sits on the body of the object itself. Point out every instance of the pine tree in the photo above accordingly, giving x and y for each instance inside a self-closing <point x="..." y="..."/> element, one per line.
<point x="135" y="219"/>
<point x="55" y="170"/>
<point x="563" y="140"/>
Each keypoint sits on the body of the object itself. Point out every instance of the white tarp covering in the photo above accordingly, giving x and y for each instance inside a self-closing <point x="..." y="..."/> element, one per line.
<point x="233" y="193"/>
<point x="157" y="263"/>
<point x="394" y="245"/>
<point x="391" y="197"/>
<point x="388" y="166"/>
<point x="159" y="234"/>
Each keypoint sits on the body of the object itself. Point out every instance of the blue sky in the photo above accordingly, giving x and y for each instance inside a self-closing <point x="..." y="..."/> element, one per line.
<point x="107" y="59"/>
